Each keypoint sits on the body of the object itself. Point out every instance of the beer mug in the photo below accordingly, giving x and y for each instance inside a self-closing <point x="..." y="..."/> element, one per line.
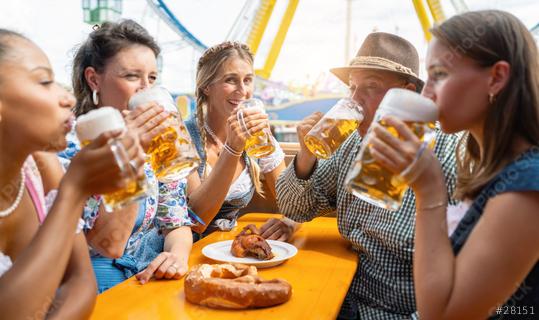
<point x="335" y="126"/>
<point x="260" y="144"/>
<point x="370" y="181"/>
<point x="171" y="154"/>
<point x="89" y="126"/>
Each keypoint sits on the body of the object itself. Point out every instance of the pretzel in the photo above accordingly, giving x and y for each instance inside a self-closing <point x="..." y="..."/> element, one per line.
<point x="233" y="286"/>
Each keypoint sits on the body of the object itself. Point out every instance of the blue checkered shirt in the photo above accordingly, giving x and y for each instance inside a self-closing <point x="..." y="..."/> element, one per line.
<point x="384" y="240"/>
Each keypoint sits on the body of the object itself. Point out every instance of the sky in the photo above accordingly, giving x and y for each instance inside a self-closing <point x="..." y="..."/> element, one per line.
<point x="314" y="44"/>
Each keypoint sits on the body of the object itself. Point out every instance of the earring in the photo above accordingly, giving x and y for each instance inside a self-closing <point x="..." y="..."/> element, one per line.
<point x="491" y="98"/>
<point x="95" y="98"/>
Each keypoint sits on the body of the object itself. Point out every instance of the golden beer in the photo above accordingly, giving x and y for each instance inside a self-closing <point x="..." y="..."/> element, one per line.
<point x="333" y="132"/>
<point x="336" y="125"/>
<point x="135" y="190"/>
<point x="376" y="184"/>
<point x="89" y="126"/>
<point x="171" y="154"/>
<point x="259" y="144"/>
<point x="165" y="154"/>
<point x="369" y="180"/>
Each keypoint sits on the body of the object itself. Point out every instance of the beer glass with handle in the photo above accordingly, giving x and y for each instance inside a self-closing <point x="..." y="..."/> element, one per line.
<point x="89" y="126"/>
<point x="334" y="127"/>
<point x="370" y="181"/>
<point x="260" y="144"/>
<point x="171" y="154"/>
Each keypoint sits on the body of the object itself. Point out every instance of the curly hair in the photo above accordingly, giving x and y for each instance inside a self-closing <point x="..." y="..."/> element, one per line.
<point x="103" y="44"/>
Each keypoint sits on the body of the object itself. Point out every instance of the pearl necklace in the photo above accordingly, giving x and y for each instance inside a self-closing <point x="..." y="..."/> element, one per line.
<point x="8" y="211"/>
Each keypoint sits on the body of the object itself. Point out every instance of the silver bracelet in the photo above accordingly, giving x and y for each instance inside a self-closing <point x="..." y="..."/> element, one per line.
<point x="232" y="151"/>
<point x="433" y="206"/>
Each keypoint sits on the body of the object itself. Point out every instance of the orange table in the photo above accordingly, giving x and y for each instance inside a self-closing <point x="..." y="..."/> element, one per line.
<point x="320" y="275"/>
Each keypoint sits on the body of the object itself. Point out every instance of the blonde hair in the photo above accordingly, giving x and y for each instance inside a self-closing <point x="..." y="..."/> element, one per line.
<point x="208" y="68"/>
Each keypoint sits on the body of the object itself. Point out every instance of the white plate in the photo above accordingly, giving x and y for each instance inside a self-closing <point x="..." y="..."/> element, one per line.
<point x="220" y="251"/>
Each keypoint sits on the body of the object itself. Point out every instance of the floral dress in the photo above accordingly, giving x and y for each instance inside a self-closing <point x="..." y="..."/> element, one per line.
<point x="165" y="208"/>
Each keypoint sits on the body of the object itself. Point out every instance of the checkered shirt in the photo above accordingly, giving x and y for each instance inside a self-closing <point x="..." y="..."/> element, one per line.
<point x="384" y="240"/>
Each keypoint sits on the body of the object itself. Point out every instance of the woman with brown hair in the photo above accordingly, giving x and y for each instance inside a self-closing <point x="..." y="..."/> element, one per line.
<point x="151" y="237"/>
<point x="483" y="75"/>
<point x="227" y="178"/>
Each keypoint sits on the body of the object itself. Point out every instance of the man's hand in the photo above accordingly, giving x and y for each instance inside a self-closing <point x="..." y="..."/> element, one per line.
<point x="279" y="229"/>
<point x="305" y="160"/>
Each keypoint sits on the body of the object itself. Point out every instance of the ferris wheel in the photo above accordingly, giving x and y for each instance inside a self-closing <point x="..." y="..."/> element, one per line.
<point x="177" y="35"/>
<point x="249" y="26"/>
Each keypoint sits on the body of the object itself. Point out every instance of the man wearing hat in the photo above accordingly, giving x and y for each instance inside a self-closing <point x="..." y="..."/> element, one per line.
<point x="384" y="240"/>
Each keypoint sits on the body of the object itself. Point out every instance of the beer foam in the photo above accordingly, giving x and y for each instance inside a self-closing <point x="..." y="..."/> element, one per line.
<point x="345" y="109"/>
<point x="157" y="94"/>
<point x="408" y="105"/>
<point x="92" y="124"/>
<point x="253" y="103"/>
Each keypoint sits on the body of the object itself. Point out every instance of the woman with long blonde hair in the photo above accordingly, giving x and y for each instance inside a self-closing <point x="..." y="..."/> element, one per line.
<point x="227" y="178"/>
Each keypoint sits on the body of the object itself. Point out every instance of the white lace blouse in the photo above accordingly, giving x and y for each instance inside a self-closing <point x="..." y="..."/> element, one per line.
<point x="239" y="187"/>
